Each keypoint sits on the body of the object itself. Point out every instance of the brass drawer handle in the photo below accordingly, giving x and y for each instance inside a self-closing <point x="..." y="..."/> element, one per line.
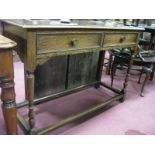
<point x="122" y="38"/>
<point x="74" y="42"/>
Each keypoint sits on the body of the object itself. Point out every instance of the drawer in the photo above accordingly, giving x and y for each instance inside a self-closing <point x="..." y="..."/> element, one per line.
<point x="63" y="42"/>
<point x="119" y="39"/>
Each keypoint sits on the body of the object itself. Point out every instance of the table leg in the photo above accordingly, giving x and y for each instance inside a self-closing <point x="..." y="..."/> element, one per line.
<point x="30" y="98"/>
<point x="9" y="106"/>
<point x="8" y="92"/>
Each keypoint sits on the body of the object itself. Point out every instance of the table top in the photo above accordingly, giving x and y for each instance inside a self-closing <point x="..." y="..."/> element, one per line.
<point x="83" y="24"/>
<point x="6" y="43"/>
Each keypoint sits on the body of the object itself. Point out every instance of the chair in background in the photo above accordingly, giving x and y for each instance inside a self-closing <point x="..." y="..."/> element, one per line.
<point x="143" y="59"/>
<point x="144" y="40"/>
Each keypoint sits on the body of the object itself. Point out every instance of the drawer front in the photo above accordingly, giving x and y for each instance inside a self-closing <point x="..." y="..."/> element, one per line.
<point x="62" y="42"/>
<point x="119" y="39"/>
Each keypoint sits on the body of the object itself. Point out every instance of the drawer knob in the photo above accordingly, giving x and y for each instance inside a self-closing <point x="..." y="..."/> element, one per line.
<point x="122" y="38"/>
<point x="74" y="42"/>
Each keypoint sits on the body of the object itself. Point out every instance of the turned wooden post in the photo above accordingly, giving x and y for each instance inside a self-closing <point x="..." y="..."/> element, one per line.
<point x="7" y="84"/>
<point x="30" y="98"/>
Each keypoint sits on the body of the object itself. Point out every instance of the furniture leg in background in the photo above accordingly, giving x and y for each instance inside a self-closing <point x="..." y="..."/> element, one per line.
<point x="109" y="64"/>
<point x="7" y="84"/>
<point x="148" y="72"/>
<point x="127" y="76"/>
<point x="152" y="73"/>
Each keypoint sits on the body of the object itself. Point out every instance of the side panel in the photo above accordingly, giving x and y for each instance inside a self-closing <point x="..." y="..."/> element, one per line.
<point x="50" y="77"/>
<point x="82" y="69"/>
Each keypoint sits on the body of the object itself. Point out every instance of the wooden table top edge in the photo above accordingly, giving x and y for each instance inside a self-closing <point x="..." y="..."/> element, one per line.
<point x="70" y="26"/>
<point x="6" y="43"/>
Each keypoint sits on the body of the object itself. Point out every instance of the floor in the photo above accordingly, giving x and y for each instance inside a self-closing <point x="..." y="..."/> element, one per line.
<point x="135" y="116"/>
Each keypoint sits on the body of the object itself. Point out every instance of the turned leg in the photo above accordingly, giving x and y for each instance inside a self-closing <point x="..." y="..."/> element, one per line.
<point x="30" y="98"/>
<point x="9" y="106"/>
<point x="7" y="85"/>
